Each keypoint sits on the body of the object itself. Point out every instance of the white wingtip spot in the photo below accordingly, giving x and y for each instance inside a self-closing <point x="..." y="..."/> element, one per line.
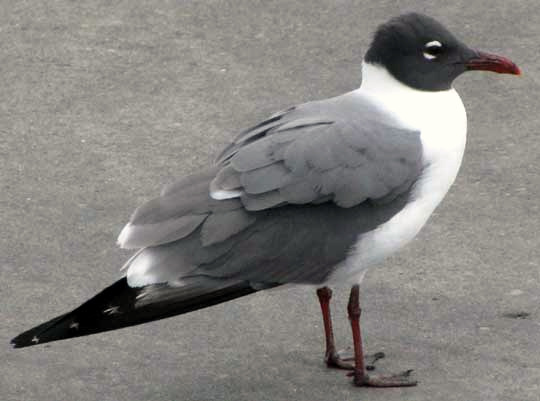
<point x="35" y="340"/>
<point x="221" y="194"/>
<point x="112" y="310"/>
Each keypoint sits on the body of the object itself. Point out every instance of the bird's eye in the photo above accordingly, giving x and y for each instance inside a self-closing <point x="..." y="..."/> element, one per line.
<point x="432" y="49"/>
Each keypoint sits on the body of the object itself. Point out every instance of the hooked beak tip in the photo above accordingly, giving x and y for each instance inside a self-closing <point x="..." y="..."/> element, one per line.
<point x="482" y="61"/>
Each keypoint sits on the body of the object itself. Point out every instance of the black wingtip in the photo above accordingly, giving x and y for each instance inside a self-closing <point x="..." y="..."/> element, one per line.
<point x="116" y="307"/>
<point x="87" y="319"/>
<point x="18" y="342"/>
<point x="34" y="335"/>
<point x="24" y="340"/>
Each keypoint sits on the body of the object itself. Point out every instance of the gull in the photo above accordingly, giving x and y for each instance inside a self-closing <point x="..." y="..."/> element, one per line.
<point x="313" y="195"/>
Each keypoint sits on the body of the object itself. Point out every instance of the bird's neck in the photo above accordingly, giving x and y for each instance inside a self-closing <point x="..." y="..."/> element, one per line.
<point x="377" y="81"/>
<point x="414" y="108"/>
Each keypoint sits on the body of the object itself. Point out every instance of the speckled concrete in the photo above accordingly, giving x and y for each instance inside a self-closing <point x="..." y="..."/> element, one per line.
<point x="102" y="103"/>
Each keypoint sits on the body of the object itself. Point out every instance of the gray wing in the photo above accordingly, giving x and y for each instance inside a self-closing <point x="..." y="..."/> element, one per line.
<point x="342" y="149"/>
<point x="180" y="209"/>
<point x="277" y="185"/>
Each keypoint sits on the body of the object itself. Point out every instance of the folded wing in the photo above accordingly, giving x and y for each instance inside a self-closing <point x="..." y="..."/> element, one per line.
<point x="238" y="218"/>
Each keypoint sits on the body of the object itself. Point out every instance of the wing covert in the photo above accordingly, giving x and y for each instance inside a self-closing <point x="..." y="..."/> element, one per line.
<point x="341" y="149"/>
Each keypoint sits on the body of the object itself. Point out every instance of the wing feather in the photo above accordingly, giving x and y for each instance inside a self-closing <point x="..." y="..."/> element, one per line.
<point x="344" y="149"/>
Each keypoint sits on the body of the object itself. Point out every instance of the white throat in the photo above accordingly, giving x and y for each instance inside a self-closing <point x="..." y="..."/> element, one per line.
<point x="413" y="107"/>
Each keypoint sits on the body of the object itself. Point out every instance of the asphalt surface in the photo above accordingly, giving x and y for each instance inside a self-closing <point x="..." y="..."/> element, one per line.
<point x="102" y="103"/>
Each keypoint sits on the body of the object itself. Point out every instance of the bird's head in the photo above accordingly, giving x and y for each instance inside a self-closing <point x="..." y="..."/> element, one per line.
<point x="423" y="54"/>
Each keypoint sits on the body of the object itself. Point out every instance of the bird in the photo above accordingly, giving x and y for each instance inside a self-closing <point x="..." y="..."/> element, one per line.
<point x="316" y="194"/>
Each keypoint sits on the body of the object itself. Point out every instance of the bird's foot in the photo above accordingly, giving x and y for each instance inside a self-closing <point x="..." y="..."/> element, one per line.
<point x="339" y="360"/>
<point x="402" y="379"/>
<point x="344" y="359"/>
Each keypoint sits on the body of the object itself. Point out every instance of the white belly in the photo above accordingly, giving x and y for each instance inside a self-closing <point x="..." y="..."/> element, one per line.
<point x="441" y="119"/>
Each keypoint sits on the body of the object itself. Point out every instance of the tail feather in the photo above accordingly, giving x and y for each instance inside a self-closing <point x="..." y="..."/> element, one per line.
<point x="120" y="306"/>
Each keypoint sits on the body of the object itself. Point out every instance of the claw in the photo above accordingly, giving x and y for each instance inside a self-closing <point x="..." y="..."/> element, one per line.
<point x="374" y="358"/>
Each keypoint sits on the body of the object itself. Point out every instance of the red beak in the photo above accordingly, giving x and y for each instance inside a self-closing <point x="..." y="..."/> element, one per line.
<point x="491" y="62"/>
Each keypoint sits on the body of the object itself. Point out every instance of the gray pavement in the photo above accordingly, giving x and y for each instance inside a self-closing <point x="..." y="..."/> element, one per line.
<point x="102" y="103"/>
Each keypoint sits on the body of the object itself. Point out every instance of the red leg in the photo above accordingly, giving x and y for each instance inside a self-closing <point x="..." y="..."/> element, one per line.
<point x="353" y="309"/>
<point x="325" y="294"/>
<point x="331" y="356"/>
<point x="361" y="378"/>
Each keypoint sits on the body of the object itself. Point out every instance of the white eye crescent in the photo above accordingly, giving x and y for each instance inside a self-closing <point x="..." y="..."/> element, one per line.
<point x="432" y="49"/>
<point x="435" y="43"/>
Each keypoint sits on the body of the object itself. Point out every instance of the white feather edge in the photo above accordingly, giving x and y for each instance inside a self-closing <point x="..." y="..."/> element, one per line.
<point x="221" y="194"/>
<point x="218" y="193"/>
<point x="128" y="262"/>
<point x="124" y="236"/>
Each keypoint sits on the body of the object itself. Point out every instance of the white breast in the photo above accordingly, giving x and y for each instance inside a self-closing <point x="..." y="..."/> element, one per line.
<point x="441" y="119"/>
